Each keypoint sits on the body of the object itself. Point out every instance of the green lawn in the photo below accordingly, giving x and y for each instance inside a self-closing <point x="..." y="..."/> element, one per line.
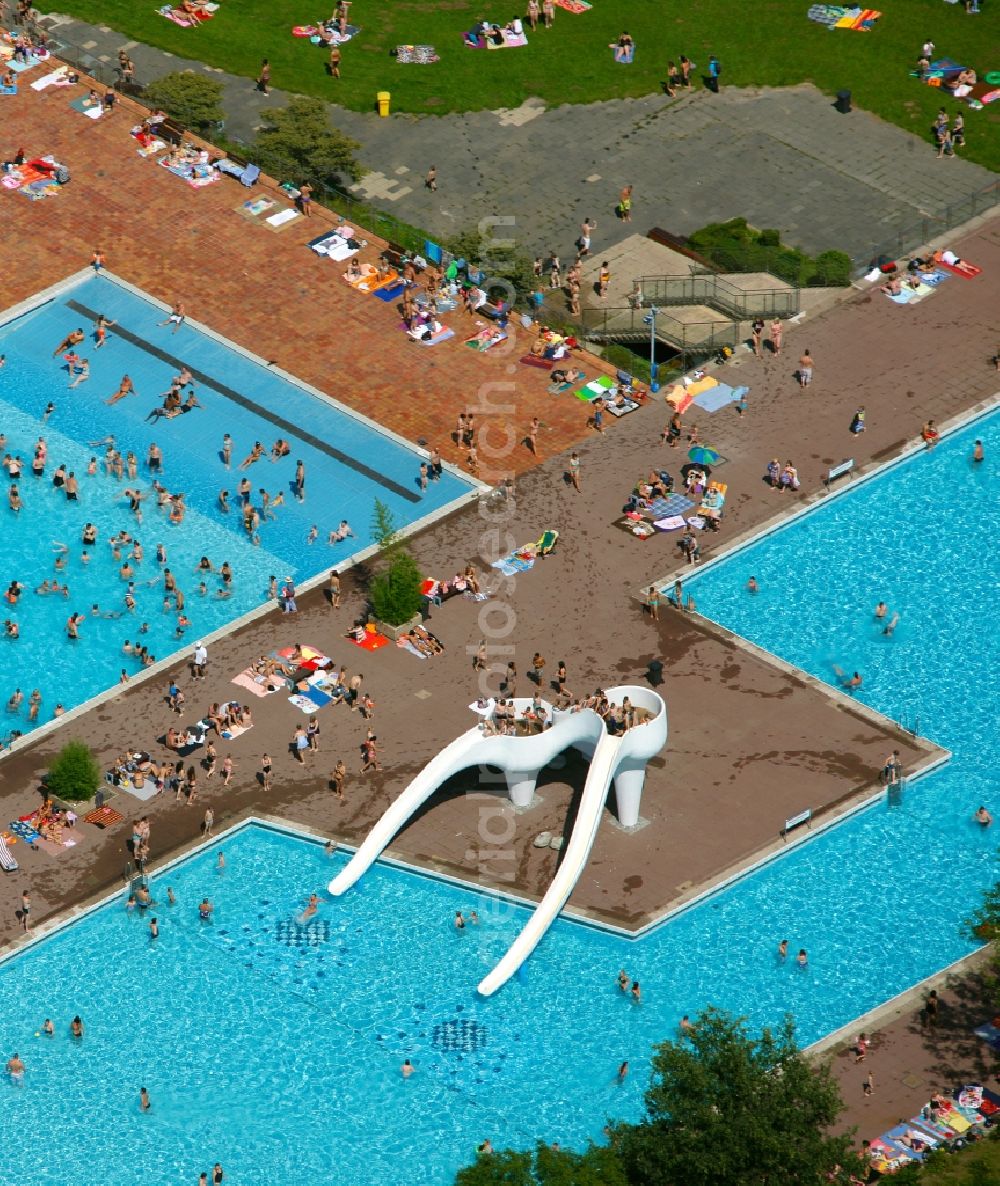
<point x="767" y="42"/>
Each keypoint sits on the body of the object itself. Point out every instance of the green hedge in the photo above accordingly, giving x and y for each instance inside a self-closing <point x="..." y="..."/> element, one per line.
<point x="734" y="246"/>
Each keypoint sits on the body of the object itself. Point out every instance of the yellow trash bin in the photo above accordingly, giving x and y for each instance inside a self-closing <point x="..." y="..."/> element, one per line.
<point x="382" y="100"/>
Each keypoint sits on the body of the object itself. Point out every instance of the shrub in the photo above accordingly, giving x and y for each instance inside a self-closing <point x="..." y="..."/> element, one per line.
<point x="734" y="246"/>
<point x="192" y="99"/>
<point x="75" y="774"/>
<point x="395" y="591"/>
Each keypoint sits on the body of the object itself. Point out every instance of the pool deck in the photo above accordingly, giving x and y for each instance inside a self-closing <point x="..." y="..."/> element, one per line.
<point x="750" y="744"/>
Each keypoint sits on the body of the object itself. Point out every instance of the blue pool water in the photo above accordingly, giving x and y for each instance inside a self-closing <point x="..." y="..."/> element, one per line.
<point x="263" y="1052"/>
<point x="330" y="442"/>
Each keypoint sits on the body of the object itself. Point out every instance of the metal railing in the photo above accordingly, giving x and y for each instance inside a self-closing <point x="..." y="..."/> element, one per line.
<point x="628" y="325"/>
<point x="707" y="288"/>
<point x="923" y="230"/>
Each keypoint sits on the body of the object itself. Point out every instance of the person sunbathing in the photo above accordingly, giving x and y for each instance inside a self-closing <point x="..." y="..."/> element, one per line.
<point x="280" y="448"/>
<point x="72" y="339"/>
<point x="427" y="638"/>
<point x="255" y="454"/>
<point x="893" y="286"/>
<point x="8" y="79"/>
<point x="354" y="269"/>
<point x="567" y="375"/>
<point x="624" y="47"/>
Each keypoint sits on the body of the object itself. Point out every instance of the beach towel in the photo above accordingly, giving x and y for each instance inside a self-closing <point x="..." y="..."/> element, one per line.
<point x="416" y="55"/>
<point x="7" y="861"/>
<point x="672" y="504"/>
<point x="91" y="108"/>
<point x="24" y="831"/>
<point x="20" y="67"/>
<point x="680" y="399"/>
<point x="697" y="386"/>
<point x="152" y="148"/>
<point x="390" y="294"/>
<point x="826" y="14"/>
<point x="510" y="41"/>
<point x="283" y="216"/>
<point x="622" y="409"/>
<point x="964" y="269"/>
<point x="257" y="206"/>
<point x="716" y="397"/>
<point x="371" y="641"/>
<point x="56" y="78"/>
<point x="436" y="339"/>
<point x="482" y="342"/>
<point x="575" y="6"/>
<point x="596" y="389"/>
<point x="627" y="58"/>
<point x="8" y="90"/>
<point x="251" y="683"/>
<point x="543" y="364"/>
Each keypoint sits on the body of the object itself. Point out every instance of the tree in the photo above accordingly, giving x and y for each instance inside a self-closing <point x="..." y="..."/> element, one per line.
<point x="984" y="927"/>
<point x="192" y="99"/>
<point x="395" y="591"/>
<point x="298" y="144"/>
<point x="596" y="1166"/>
<point x="510" y="270"/>
<point x="75" y="774"/>
<point x="725" y="1108"/>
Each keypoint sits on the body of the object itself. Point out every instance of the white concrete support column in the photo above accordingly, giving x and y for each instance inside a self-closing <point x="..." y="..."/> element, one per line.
<point x="629" y="780"/>
<point x="521" y="785"/>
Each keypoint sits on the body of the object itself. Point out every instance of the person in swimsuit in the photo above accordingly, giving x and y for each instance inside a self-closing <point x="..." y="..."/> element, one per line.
<point x="205" y="909"/>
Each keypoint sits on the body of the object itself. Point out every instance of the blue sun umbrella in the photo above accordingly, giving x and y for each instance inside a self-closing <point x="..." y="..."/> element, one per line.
<point x="703" y="454"/>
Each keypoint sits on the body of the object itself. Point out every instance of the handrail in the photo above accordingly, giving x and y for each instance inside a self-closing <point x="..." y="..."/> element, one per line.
<point x="715" y="291"/>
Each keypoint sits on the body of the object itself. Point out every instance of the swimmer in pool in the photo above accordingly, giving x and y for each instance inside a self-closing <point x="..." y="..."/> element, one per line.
<point x="983" y="817"/>
<point x="802" y="959"/>
<point x="752" y="586"/>
<point x="891" y="625"/>
<point x="881" y="610"/>
<point x="977" y="452"/>
<point x="783" y="950"/>
<point x="848" y="683"/>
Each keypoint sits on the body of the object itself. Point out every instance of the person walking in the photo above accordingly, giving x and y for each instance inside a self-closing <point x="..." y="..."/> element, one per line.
<point x="653" y="602"/>
<point x="334" y="61"/>
<point x="300" y="743"/>
<point x="944" y="141"/>
<point x="603" y="280"/>
<point x="777" y="332"/>
<point x="685" y="72"/>
<point x="264" y="77"/>
<point x="532" y="438"/>
<point x="757" y="334"/>
<point x="625" y="203"/>
<point x="714" y="70"/>
<point x="431" y="180"/>
<point x="574" y="470"/>
<point x="958" y="131"/>
<point x="548" y="13"/>
<point x="805" y="369"/>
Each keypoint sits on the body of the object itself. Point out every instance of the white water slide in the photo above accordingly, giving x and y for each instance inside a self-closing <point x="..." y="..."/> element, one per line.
<point x="619" y="758"/>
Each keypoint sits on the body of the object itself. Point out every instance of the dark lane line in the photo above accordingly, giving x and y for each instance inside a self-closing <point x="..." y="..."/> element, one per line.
<point x="256" y="409"/>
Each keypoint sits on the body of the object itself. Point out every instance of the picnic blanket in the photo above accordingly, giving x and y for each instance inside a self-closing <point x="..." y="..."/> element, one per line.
<point x="575" y="6"/>
<point x="103" y="817"/>
<point x="416" y="55"/>
<point x="836" y="16"/>
<point x="671" y="504"/>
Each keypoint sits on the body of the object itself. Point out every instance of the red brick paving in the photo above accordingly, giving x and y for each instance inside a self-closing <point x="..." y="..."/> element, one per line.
<point x="258" y="286"/>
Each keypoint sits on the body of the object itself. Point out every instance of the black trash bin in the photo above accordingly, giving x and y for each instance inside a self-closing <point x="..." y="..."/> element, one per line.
<point x="843" y="104"/>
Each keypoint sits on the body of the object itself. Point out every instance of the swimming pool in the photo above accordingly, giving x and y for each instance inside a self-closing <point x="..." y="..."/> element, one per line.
<point x="282" y="1040"/>
<point x="349" y="463"/>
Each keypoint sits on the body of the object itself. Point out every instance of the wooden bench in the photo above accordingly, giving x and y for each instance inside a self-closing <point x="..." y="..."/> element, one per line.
<point x="845" y="469"/>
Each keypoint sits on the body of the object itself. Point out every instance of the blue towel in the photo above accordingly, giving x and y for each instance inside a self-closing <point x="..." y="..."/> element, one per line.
<point x="673" y="504"/>
<point x="716" y="397"/>
<point x="388" y="295"/>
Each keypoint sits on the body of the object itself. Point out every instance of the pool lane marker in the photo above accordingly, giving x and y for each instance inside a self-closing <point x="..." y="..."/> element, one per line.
<point x="255" y="408"/>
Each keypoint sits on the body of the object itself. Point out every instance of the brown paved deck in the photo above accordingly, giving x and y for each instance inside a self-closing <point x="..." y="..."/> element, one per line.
<point x="738" y="760"/>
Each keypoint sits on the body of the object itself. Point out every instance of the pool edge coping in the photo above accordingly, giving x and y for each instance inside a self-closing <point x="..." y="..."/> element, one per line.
<point x="477" y="491"/>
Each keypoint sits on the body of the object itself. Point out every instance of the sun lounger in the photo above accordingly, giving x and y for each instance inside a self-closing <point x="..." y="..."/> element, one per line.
<point x="547" y="542"/>
<point x="7" y="861"/>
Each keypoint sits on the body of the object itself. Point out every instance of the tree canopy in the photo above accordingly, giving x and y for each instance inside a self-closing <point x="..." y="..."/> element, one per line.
<point x="726" y="1108"/>
<point x="299" y="144"/>
<point x="192" y="99"/>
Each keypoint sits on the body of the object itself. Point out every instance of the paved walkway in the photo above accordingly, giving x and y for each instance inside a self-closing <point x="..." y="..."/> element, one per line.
<point x="780" y="158"/>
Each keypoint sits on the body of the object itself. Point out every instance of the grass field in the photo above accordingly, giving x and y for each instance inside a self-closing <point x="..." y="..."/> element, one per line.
<point x="770" y="42"/>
